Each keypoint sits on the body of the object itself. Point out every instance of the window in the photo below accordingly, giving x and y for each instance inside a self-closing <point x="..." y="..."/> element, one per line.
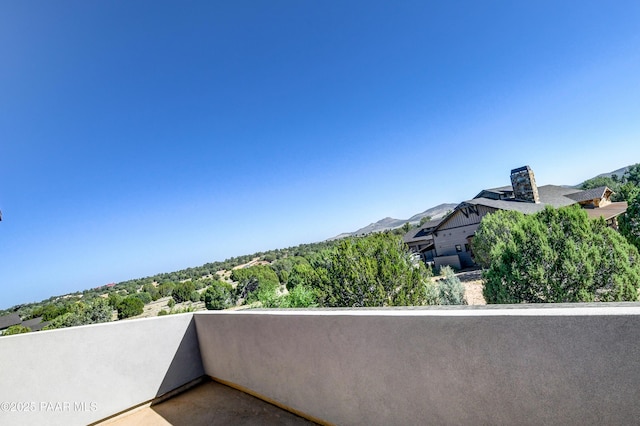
<point x="458" y="248"/>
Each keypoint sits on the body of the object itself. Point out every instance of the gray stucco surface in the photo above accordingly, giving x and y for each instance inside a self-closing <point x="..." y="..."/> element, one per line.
<point x="79" y="375"/>
<point x="462" y="367"/>
<point x="542" y="364"/>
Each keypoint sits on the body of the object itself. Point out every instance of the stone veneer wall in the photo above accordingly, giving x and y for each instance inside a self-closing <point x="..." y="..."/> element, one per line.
<point x="524" y="185"/>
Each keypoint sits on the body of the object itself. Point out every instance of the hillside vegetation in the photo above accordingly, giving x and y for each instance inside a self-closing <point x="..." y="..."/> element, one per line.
<point x="553" y="256"/>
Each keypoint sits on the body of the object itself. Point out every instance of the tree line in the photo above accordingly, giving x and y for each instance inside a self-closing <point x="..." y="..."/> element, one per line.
<point x="560" y="255"/>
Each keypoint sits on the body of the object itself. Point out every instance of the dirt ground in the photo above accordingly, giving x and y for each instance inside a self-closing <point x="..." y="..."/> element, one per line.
<point x="472" y="281"/>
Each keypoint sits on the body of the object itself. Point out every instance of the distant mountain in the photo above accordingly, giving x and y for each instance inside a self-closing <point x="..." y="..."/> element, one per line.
<point x="391" y="223"/>
<point x="619" y="173"/>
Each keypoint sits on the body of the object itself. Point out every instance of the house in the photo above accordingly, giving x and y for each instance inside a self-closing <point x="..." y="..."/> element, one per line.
<point x="35" y="324"/>
<point x="451" y="238"/>
<point x="420" y="240"/>
<point x="7" y="321"/>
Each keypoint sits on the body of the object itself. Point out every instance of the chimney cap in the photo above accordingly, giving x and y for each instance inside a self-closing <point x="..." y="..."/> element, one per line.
<point x="521" y="169"/>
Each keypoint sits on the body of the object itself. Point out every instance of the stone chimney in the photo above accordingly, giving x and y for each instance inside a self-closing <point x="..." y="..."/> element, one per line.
<point x="524" y="185"/>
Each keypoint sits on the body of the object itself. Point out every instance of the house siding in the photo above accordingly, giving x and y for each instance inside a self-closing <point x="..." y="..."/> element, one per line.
<point x="457" y="230"/>
<point x="474" y="215"/>
<point x="447" y="240"/>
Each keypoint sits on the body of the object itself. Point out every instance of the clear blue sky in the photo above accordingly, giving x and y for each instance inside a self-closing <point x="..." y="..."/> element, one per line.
<point x="139" y="137"/>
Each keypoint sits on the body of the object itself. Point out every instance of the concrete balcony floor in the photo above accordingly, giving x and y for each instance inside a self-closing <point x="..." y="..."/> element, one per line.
<point x="209" y="403"/>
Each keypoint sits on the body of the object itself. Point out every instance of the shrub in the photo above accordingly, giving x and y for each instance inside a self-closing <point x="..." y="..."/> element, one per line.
<point x="130" y="307"/>
<point x="182" y="292"/>
<point x="194" y="296"/>
<point x="144" y="297"/>
<point x="80" y="313"/>
<point x="218" y="296"/>
<point x="300" y="297"/>
<point x="377" y="270"/>
<point x="16" y="329"/>
<point x="560" y="255"/>
<point x="251" y="280"/>
<point x="450" y="289"/>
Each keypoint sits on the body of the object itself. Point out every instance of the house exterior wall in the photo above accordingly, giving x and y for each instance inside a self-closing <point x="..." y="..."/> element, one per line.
<point x="453" y="237"/>
<point x="452" y="261"/>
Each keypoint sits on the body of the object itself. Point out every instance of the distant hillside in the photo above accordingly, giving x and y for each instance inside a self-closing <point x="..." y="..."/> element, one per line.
<point x="619" y="173"/>
<point x="391" y="223"/>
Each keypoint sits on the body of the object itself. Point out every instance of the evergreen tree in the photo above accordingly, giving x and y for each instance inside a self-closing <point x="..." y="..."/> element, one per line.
<point x="182" y="292"/>
<point x="16" y="329"/>
<point x="560" y="255"/>
<point x="218" y="296"/>
<point x="377" y="270"/>
<point x="130" y="306"/>
<point x="494" y="228"/>
<point x="630" y="222"/>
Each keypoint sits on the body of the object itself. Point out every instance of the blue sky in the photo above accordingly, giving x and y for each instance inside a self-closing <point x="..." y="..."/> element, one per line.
<point x="139" y="137"/>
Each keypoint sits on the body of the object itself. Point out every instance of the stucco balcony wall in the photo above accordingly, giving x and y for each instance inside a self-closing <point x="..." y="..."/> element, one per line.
<point x="79" y="375"/>
<point x="549" y="364"/>
<point x="543" y="364"/>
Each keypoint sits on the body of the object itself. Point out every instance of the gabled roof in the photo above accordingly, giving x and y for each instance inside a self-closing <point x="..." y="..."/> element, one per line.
<point x="7" y="321"/>
<point x="550" y="195"/>
<point x="590" y="194"/>
<point x="421" y="233"/>
<point x="35" y="324"/>
<point x="495" y="193"/>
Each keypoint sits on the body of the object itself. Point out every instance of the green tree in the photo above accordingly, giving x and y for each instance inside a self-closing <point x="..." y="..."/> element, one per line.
<point x="254" y="279"/>
<point x="424" y="220"/>
<point x="301" y="296"/>
<point x="114" y="299"/>
<point x="559" y="255"/>
<point x="144" y="297"/>
<point x="16" y="329"/>
<point x="166" y="289"/>
<point x="151" y="290"/>
<point x="194" y="296"/>
<point x="494" y="228"/>
<point x="626" y="192"/>
<point x="598" y="181"/>
<point x="52" y="310"/>
<point x="80" y="313"/>
<point x="625" y="188"/>
<point x="303" y="273"/>
<point x="130" y="306"/>
<point x="377" y="270"/>
<point x="218" y="296"/>
<point x="632" y="175"/>
<point x="182" y="292"/>
<point x="630" y="222"/>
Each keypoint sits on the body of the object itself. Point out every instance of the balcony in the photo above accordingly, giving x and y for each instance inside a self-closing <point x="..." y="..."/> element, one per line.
<point x="516" y="364"/>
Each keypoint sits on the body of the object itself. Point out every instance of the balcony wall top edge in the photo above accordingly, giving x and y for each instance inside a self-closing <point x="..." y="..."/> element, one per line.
<point x="539" y="309"/>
